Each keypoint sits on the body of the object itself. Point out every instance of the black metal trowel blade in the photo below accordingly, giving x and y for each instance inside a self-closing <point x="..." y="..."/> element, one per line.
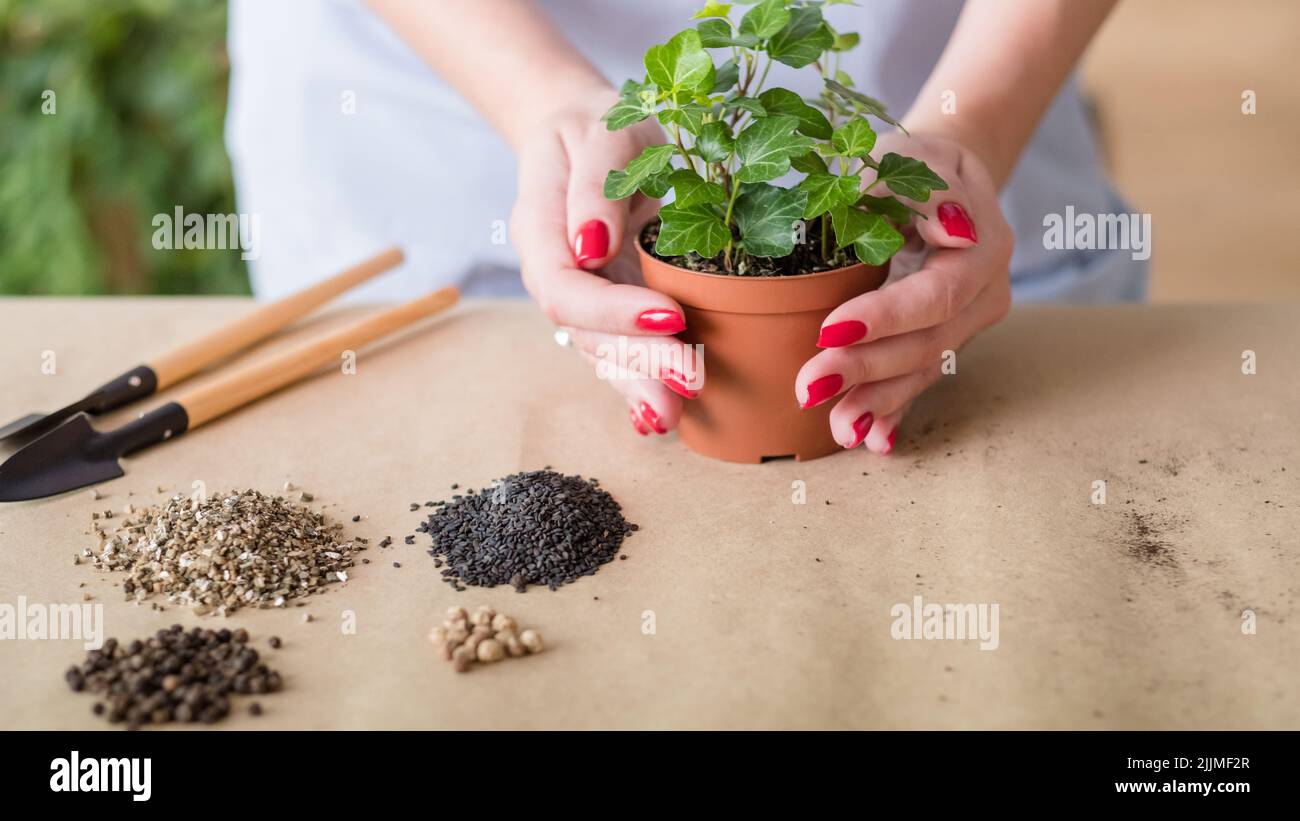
<point x="36" y="424"/>
<point x="58" y="461"/>
<point x="76" y="455"/>
<point x="134" y="384"/>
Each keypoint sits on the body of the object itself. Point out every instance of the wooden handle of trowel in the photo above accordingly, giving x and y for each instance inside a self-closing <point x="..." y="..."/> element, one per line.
<point x="251" y="381"/>
<point x="189" y="359"/>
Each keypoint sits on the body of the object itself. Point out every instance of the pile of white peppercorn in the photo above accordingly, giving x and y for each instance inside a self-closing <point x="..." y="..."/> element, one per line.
<point x="484" y="636"/>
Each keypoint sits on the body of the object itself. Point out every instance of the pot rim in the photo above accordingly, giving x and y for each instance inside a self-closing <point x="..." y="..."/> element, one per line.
<point x="641" y="251"/>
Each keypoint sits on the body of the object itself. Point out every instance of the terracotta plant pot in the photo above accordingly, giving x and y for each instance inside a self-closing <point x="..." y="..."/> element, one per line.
<point x="756" y="333"/>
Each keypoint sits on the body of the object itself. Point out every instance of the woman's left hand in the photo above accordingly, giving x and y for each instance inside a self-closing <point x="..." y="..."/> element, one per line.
<point x="886" y="346"/>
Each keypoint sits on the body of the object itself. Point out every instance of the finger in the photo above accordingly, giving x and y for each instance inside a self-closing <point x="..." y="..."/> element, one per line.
<point x="649" y="402"/>
<point x="837" y="369"/>
<point x="567" y="295"/>
<point x="880" y="439"/>
<point x="946" y="284"/>
<point x="853" y="416"/>
<point x="596" y="225"/>
<point x="676" y="364"/>
<point x="948" y="217"/>
<point x="833" y="371"/>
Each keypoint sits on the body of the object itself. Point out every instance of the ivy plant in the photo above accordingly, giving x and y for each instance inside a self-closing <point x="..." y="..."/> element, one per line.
<point x="732" y="137"/>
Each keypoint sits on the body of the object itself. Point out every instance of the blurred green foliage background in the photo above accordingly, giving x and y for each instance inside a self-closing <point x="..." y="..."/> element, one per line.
<point x="139" y="102"/>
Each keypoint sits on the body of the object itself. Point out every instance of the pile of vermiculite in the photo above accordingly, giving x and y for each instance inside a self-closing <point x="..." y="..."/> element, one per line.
<point x="539" y="527"/>
<point x="239" y="549"/>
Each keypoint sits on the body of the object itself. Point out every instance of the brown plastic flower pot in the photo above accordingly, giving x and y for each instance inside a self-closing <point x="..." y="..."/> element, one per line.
<point x="756" y="333"/>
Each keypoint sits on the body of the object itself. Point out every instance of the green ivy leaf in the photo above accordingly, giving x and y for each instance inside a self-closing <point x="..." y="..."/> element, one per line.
<point x="765" y="19"/>
<point x="780" y="101"/>
<point x="658" y="185"/>
<point x="683" y="230"/>
<point x="909" y="177"/>
<point x="750" y="104"/>
<point x="712" y="9"/>
<point x="632" y="107"/>
<point x="890" y="208"/>
<point x="827" y="191"/>
<point x="726" y="76"/>
<point x="846" y="41"/>
<point x="621" y="184"/>
<point x="854" y="139"/>
<point x="810" y="163"/>
<point x="715" y="143"/>
<point x="850" y="223"/>
<point x="718" y="34"/>
<point x="765" y="215"/>
<point x="766" y="146"/>
<point x="690" y="117"/>
<point x="879" y="242"/>
<point x="681" y="64"/>
<point x="803" y="39"/>
<point x="692" y="190"/>
<point x="869" y="104"/>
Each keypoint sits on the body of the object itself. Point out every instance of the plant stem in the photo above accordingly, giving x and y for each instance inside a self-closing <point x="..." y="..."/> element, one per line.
<point x="731" y="204"/>
<point x="762" y="79"/>
<point x="677" y="138"/>
<point x="826" y="231"/>
<point x="749" y="74"/>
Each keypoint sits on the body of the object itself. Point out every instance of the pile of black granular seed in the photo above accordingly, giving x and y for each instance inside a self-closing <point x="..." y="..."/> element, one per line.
<point x="539" y="527"/>
<point x="173" y="675"/>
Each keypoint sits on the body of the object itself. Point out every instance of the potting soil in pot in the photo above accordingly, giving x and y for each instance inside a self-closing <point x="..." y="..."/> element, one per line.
<point x="539" y="527"/>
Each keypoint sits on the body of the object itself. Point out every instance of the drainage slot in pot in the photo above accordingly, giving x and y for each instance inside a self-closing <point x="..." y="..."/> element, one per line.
<point x="766" y="459"/>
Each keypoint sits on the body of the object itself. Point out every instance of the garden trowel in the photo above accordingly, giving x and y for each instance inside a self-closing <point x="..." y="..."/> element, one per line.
<point x="75" y="455"/>
<point x="193" y="357"/>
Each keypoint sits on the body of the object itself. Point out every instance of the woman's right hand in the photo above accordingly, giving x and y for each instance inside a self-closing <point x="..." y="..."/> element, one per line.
<point x="579" y="259"/>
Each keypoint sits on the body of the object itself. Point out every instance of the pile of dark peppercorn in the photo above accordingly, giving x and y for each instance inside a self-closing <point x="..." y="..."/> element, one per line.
<point x="173" y="676"/>
<point x="539" y="527"/>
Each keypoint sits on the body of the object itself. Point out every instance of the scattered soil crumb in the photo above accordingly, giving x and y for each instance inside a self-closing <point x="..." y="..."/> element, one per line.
<point x="1145" y="537"/>
<point x="1173" y="466"/>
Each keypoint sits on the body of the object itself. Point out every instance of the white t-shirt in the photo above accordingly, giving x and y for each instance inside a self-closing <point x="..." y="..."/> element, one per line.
<point x="344" y="142"/>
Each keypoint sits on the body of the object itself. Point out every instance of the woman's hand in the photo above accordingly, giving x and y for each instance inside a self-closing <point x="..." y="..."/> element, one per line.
<point x="887" y="346"/>
<point x="579" y="259"/>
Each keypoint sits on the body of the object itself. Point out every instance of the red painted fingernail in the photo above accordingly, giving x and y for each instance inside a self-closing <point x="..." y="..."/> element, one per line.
<point x="954" y="220"/>
<point x="591" y="243"/>
<point x="819" y="390"/>
<point x="637" y="424"/>
<point x="676" y="383"/>
<point x="841" y="333"/>
<point x="651" y="418"/>
<point x="667" y="322"/>
<point x="889" y="443"/>
<point x="860" y="427"/>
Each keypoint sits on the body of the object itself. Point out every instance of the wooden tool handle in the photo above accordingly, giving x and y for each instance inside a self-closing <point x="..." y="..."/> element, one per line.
<point x="251" y="381"/>
<point x="193" y="357"/>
